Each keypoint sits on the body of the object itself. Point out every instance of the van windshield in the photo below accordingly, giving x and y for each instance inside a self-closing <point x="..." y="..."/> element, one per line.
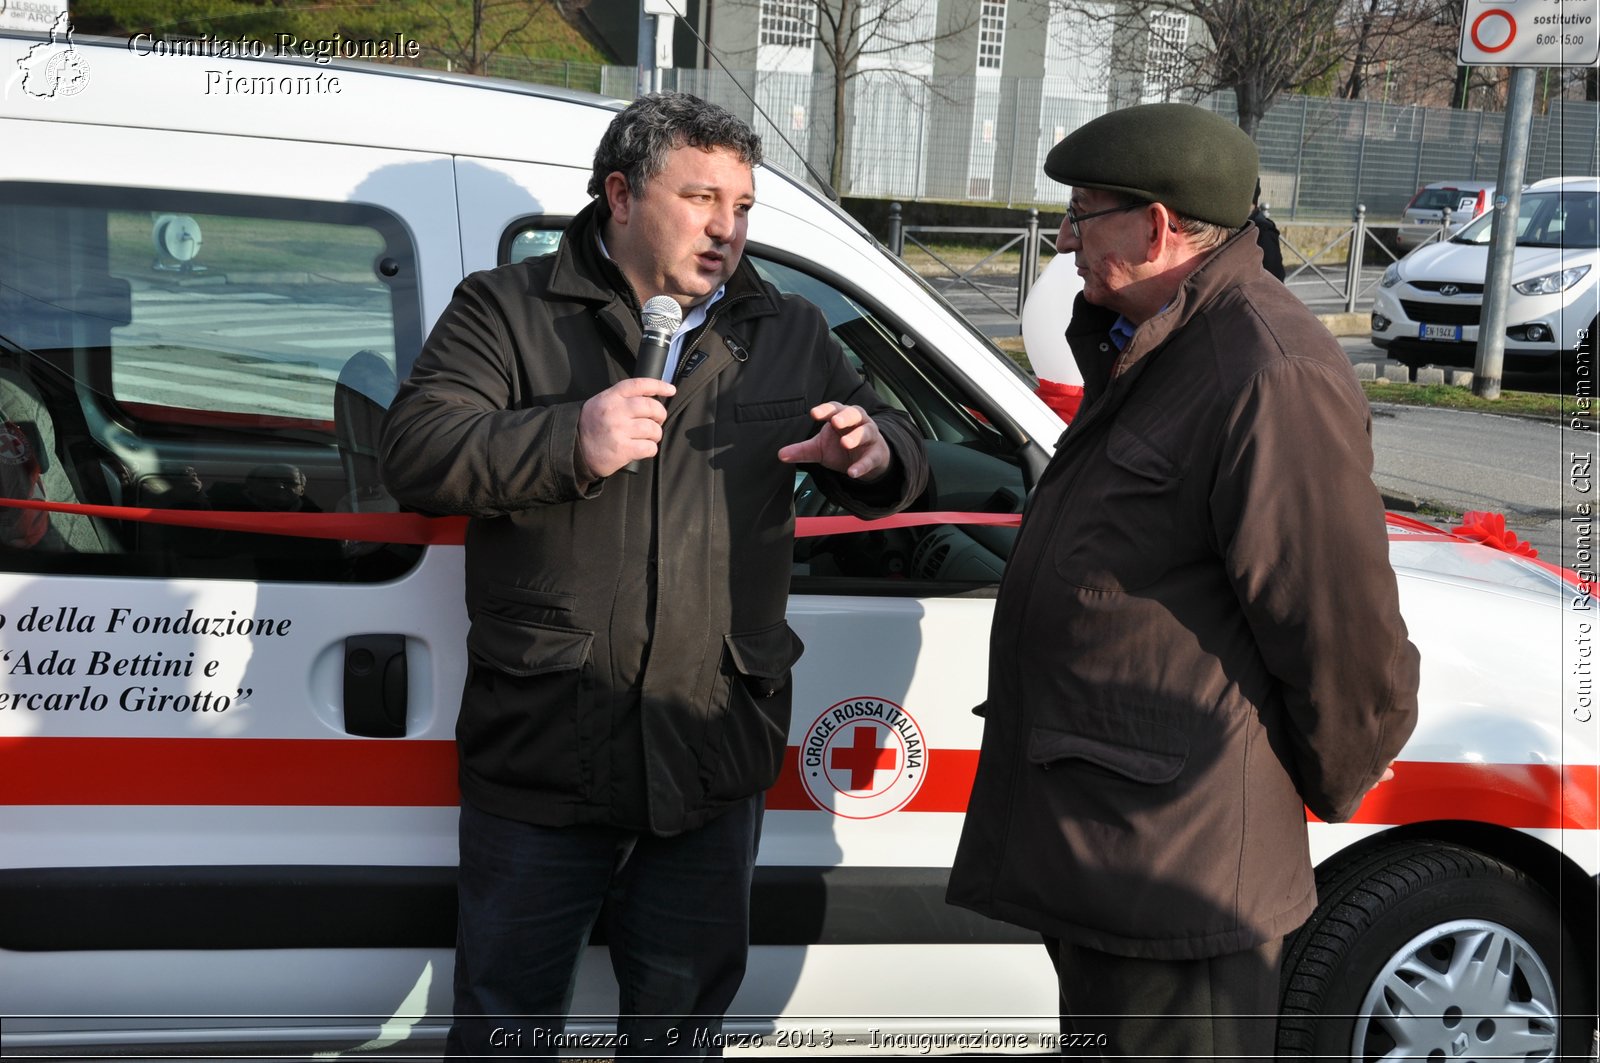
<point x="1546" y="219"/>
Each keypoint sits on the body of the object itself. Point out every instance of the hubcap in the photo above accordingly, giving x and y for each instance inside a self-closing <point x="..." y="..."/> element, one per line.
<point x="1465" y="990"/>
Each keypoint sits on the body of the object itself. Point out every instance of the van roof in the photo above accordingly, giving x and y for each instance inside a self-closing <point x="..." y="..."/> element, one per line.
<point x="139" y="85"/>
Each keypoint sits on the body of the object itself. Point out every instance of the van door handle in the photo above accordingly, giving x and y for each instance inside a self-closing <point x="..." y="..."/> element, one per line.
<point x="375" y="686"/>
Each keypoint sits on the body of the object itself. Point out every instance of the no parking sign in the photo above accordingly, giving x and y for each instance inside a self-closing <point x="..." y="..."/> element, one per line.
<point x="1530" y="33"/>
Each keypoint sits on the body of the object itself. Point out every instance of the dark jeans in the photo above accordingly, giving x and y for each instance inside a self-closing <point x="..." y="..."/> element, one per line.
<point x="1117" y="1007"/>
<point x="677" y="922"/>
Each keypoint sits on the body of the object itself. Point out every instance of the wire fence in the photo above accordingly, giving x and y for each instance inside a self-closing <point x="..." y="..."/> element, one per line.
<point x="984" y="139"/>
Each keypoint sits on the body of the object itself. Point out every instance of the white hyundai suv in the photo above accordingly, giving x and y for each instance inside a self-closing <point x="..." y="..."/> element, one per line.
<point x="1428" y="304"/>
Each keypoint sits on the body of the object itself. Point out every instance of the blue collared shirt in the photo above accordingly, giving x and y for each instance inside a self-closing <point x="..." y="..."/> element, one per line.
<point x="1122" y="331"/>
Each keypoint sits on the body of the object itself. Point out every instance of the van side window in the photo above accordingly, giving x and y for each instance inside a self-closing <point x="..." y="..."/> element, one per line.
<point x="973" y="468"/>
<point x="166" y="350"/>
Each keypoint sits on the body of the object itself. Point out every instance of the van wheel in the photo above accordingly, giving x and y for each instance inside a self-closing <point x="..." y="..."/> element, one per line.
<point x="1425" y="950"/>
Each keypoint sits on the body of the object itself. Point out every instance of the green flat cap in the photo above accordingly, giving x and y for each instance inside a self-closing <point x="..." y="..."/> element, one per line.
<point x="1196" y="162"/>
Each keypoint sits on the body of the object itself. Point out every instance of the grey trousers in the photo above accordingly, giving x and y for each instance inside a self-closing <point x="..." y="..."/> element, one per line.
<point x="1117" y="1007"/>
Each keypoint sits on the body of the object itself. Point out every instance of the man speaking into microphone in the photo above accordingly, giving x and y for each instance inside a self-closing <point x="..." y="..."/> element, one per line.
<point x="627" y="696"/>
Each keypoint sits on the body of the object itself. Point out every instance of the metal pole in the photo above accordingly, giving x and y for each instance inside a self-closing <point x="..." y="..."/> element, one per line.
<point x="1029" y="267"/>
<point x="923" y="117"/>
<point x="1361" y="155"/>
<point x="1503" y="233"/>
<point x="1299" y="160"/>
<point x="1477" y="143"/>
<point x="1422" y="138"/>
<point x="1011" y="167"/>
<point x="1352" y="266"/>
<point x="897" y="243"/>
<point x="646" y="54"/>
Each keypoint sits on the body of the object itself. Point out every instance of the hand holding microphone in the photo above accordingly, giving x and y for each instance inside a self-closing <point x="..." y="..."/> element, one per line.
<point x="622" y="424"/>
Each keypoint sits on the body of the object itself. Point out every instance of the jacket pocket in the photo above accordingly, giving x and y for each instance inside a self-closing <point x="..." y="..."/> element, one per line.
<point x="1121" y="535"/>
<point x="1138" y="750"/>
<point x="771" y="410"/>
<point x="763" y="658"/>
<point x="527" y="714"/>
<point x="519" y="647"/>
<point x="754" y="712"/>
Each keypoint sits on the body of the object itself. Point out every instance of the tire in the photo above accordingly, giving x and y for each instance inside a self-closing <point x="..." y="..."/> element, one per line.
<point x="1386" y="965"/>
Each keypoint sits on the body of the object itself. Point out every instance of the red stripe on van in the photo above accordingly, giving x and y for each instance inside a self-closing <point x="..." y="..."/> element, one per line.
<point x="1511" y="795"/>
<point x="226" y="771"/>
<point x="352" y="772"/>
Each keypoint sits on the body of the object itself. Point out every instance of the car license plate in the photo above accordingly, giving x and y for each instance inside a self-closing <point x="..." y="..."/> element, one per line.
<point x="1441" y="332"/>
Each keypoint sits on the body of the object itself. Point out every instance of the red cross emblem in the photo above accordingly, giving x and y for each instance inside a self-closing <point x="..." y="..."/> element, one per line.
<point x="864" y="758"/>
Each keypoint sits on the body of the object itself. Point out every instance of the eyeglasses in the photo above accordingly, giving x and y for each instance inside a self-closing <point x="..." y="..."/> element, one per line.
<point x="1074" y="219"/>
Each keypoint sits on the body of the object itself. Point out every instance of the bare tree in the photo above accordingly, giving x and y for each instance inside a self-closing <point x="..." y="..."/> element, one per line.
<point x="1414" y="44"/>
<point x="1259" y="49"/>
<point x="469" y="33"/>
<point x="891" y="39"/>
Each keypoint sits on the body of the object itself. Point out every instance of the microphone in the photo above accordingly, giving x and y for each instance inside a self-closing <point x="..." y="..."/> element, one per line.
<point x="661" y="316"/>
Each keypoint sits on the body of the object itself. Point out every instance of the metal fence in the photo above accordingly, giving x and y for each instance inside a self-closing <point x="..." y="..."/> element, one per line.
<point x="1007" y="272"/>
<point x="987" y="272"/>
<point x="1322" y="156"/>
<point x="983" y="139"/>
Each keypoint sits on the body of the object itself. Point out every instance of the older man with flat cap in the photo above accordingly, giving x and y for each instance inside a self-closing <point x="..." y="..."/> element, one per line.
<point x="1198" y="634"/>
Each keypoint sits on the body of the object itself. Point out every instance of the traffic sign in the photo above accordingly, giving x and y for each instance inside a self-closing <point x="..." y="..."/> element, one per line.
<point x="1530" y="33"/>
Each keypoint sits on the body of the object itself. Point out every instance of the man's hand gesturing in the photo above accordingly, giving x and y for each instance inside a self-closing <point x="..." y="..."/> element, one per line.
<point x="622" y="424"/>
<point x="848" y="442"/>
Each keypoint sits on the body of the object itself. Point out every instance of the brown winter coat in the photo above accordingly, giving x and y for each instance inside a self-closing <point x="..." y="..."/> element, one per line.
<point x="1198" y="634"/>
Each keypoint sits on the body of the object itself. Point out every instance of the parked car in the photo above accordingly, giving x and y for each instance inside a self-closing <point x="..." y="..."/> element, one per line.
<point x="1428" y="305"/>
<point x="1439" y="209"/>
<point x="227" y="776"/>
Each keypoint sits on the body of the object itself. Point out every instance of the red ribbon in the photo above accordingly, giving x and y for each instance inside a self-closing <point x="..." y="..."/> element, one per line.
<point x="1063" y="399"/>
<point x="413" y="528"/>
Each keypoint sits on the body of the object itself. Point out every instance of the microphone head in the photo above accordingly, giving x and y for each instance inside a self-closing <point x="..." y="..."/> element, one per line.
<point x="661" y="313"/>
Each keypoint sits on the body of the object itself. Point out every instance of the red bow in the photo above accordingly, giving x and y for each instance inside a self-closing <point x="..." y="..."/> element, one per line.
<point x="1490" y="530"/>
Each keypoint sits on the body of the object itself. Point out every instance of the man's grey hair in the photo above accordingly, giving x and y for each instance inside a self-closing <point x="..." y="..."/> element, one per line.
<point x="1204" y="235"/>
<point x="639" y="139"/>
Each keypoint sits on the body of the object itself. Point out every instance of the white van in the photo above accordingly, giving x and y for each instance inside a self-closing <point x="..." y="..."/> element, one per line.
<point x="227" y="786"/>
